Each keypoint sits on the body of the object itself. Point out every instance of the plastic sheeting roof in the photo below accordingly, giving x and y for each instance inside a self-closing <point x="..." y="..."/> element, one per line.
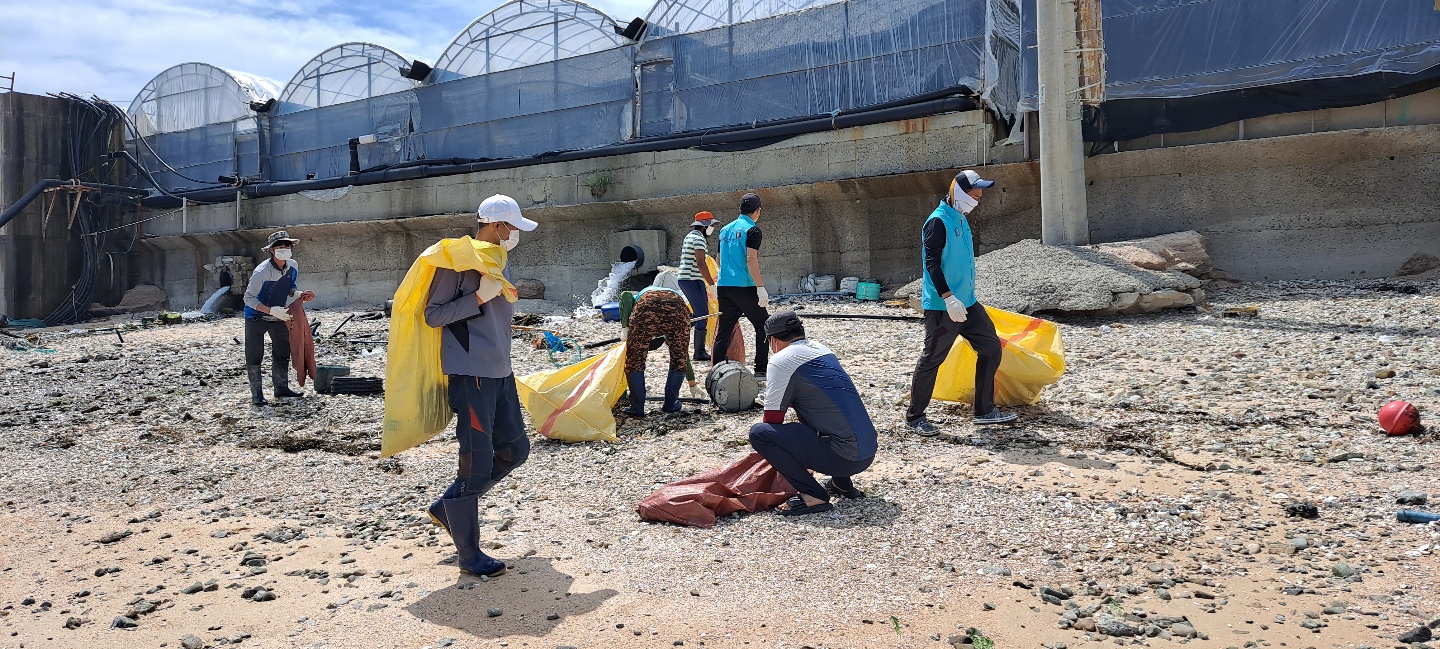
<point x="347" y="72"/>
<point x="526" y="32"/>
<point x="685" y="16"/>
<point x="191" y="95"/>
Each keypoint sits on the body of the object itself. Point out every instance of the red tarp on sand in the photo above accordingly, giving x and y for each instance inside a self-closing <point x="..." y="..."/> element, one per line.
<point x="749" y="484"/>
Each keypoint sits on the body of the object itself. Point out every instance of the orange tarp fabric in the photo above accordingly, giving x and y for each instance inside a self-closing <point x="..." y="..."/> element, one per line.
<point x="302" y="344"/>
<point x="749" y="484"/>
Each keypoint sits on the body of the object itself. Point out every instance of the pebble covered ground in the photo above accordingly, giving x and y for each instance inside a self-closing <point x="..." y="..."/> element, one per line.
<point x="1142" y="502"/>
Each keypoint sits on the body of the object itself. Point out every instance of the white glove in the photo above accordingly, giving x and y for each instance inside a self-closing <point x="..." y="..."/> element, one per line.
<point x="695" y="392"/>
<point x="489" y="289"/>
<point x="764" y="297"/>
<point x="625" y="334"/>
<point x="280" y="313"/>
<point x="955" y="308"/>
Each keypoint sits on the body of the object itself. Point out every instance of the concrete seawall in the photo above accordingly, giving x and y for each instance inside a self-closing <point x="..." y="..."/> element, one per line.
<point x="850" y="202"/>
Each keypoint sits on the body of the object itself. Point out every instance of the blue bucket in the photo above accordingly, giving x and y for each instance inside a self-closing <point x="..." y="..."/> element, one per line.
<point x="610" y="311"/>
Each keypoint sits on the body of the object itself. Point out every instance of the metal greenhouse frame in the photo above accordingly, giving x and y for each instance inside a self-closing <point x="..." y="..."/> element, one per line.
<point x="346" y="72"/>
<point x="526" y="32"/>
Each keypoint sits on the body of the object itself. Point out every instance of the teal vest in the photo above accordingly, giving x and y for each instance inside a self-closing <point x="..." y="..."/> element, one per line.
<point x="957" y="261"/>
<point x="734" y="258"/>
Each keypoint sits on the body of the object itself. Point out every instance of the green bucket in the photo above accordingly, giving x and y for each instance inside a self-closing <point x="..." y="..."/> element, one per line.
<point x="869" y="291"/>
<point x="325" y="375"/>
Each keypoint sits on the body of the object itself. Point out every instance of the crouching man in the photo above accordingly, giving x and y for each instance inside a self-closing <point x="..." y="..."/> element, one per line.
<point x="834" y="435"/>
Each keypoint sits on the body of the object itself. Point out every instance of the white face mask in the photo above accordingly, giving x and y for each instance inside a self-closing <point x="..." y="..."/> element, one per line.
<point x="709" y="230"/>
<point x="283" y="254"/>
<point x="511" y="241"/>
<point x="962" y="201"/>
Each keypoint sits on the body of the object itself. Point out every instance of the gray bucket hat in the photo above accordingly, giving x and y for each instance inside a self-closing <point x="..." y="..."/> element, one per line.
<point x="277" y="236"/>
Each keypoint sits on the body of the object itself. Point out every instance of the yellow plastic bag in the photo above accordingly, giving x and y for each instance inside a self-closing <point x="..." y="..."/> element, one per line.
<point x="416" y="404"/>
<point x="573" y="403"/>
<point x="1032" y="357"/>
<point x="712" y="325"/>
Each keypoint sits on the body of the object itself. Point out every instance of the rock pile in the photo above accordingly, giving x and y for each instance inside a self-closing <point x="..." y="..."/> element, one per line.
<point x="1141" y="276"/>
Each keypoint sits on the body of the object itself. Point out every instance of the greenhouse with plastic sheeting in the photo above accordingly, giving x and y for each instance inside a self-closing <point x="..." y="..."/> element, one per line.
<point x="348" y="91"/>
<point x="195" y="122"/>
<point x="536" y="78"/>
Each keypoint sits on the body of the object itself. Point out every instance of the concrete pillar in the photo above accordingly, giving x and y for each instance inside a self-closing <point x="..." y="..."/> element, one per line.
<point x="37" y="259"/>
<point x="1064" y="218"/>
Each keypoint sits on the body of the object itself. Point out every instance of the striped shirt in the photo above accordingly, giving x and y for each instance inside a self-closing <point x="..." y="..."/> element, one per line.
<point x="693" y="241"/>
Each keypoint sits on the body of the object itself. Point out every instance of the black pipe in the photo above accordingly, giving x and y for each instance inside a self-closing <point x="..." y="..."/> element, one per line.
<point x="125" y="155"/>
<point x="342" y="325"/>
<point x="27" y="199"/>
<point x="40" y="187"/>
<point x="863" y="117"/>
<point x="856" y="316"/>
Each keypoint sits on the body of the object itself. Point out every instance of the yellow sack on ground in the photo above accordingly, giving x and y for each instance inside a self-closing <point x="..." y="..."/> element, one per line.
<point x="573" y="403"/>
<point x="1032" y="357"/>
<point x="416" y="404"/>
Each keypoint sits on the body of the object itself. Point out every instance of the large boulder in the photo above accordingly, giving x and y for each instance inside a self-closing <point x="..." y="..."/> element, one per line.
<point x="1418" y="264"/>
<point x="1180" y="251"/>
<point x="1029" y="277"/>
<point x="530" y="289"/>
<point x="142" y="298"/>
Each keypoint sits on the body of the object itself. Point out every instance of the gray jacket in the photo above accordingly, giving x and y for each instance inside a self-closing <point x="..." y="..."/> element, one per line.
<point x="476" y="338"/>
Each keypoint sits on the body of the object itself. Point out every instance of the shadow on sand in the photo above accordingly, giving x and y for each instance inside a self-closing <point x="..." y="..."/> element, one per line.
<point x="533" y="596"/>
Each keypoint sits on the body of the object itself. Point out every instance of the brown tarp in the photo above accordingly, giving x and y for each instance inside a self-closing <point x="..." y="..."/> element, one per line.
<point x="302" y="344"/>
<point x="737" y="344"/>
<point x="749" y="484"/>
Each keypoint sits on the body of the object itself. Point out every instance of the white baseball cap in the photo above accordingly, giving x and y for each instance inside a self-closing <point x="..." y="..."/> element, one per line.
<point x="501" y="208"/>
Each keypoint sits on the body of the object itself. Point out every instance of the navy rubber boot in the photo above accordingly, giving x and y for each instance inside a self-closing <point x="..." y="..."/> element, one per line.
<point x="463" y="515"/>
<point x="280" y="376"/>
<point x="672" y="391"/>
<point x="437" y="508"/>
<point x="636" y="382"/>
<point x="257" y="386"/>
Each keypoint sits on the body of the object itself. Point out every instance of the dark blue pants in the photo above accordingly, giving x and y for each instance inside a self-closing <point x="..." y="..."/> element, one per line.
<point x="490" y="430"/>
<point x="940" y="335"/>
<point x="794" y="449"/>
<point x="699" y="300"/>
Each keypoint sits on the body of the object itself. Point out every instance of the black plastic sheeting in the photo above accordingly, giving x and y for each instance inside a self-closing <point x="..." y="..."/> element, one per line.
<point x="1186" y="65"/>
<point x="1130" y="119"/>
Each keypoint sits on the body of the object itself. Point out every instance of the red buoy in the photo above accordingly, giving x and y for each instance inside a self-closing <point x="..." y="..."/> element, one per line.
<point x="1399" y="418"/>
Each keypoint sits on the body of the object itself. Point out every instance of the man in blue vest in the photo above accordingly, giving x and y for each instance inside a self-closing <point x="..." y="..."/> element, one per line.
<point x="740" y="290"/>
<point x="273" y="286"/>
<point x="951" y="310"/>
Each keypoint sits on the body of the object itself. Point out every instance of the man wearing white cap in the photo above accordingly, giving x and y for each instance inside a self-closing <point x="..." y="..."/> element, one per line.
<point x="475" y="355"/>
<point x="951" y="309"/>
